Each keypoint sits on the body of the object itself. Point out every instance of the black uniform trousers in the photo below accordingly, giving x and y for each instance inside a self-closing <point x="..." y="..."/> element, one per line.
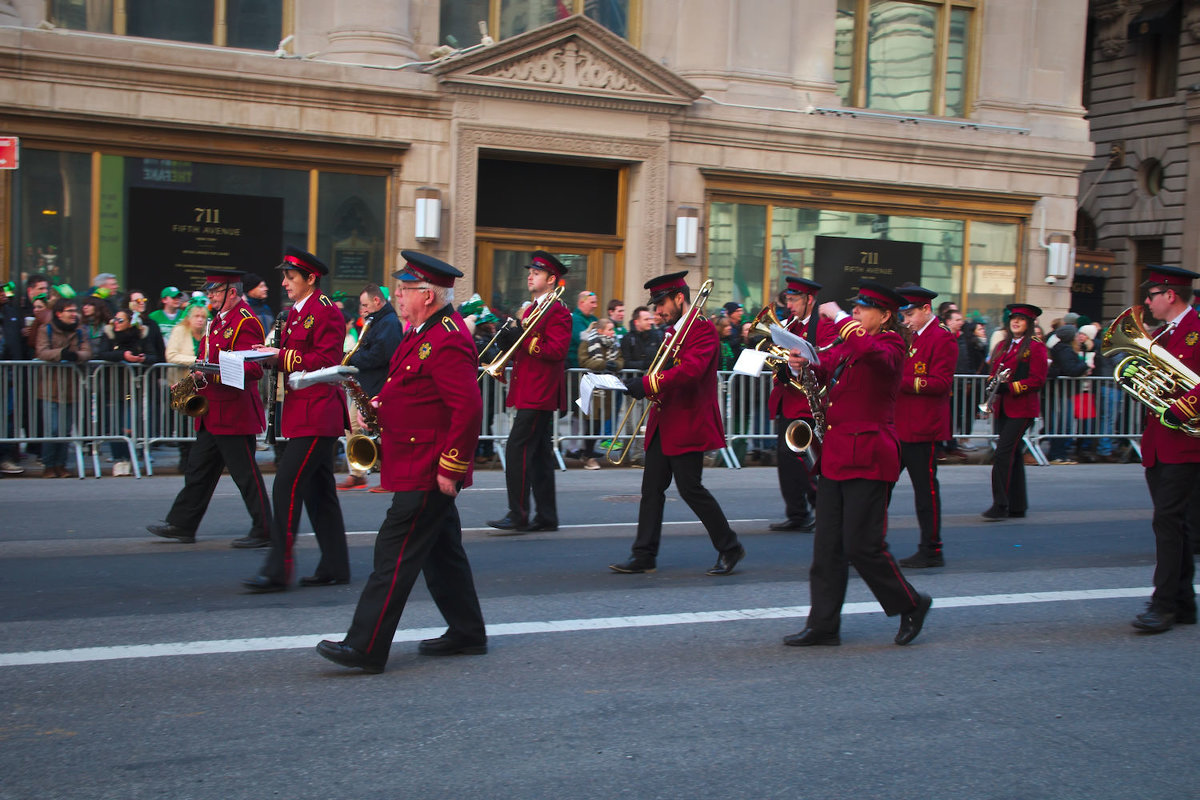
<point x="304" y="477"/>
<point x="1008" y="466"/>
<point x="686" y="470"/>
<point x="920" y="459"/>
<point x="421" y="533"/>
<point x="796" y="483"/>
<point x="208" y="458"/>
<point x="529" y="467"/>
<point x="852" y="529"/>
<point x="1173" y="488"/>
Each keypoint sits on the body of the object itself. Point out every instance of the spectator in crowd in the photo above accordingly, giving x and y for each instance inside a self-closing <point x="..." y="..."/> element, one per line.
<point x="156" y="343"/>
<point x="616" y="312"/>
<point x="1066" y="361"/>
<point x="35" y="284"/>
<point x="724" y="332"/>
<point x="600" y="351"/>
<point x="60" y="341"/>
<point x="254" y="290"/>
<point x="108" y="288"/>
<point x="39" y="316"/>
<point x="946" y="308"/>
<point x="1109" y="397"/>
<point x="165" y="318"/>
<point x="126" y="343"/>
<point x="184" y="344"/>
<point x="641" y="343"/>
<point x="737" y="339"/>
<point x="380" y="338"/>
<point x="581" y="318"/>
<point x="93" y="316"/>
<point x="953" y="320"/>
<point x="12" y="348"/>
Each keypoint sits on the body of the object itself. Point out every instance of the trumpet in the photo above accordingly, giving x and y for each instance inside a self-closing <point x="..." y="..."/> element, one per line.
<point x="1150" y="374"/>
<point x="668" y="350"/>
<point x="499" y="363"/>
<point x="992" y="389"/>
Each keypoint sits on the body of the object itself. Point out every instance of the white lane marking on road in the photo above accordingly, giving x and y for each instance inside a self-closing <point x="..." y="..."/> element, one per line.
<point x="83" y="654"/>
<point x="487" y="529"/>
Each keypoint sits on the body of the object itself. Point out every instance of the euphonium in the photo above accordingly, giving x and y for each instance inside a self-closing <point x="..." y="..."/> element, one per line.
<point x="186" y="399"/>
<point x="498" y="364"/>
<point x="362" y="450"/>
<point x="1153" y="376"/>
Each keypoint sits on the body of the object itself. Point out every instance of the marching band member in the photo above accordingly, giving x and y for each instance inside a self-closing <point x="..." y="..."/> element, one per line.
<point x="923" y="416"/>
<point x="429" y="415"/>
<point x="313" y="419"/>
<point x="1171" y="457"/>
<point x="225" y="434"/>
<point x="788" y="404"/>
<point x="537" y="388"/>
<point x="1017" y="404"/>
<point x="860" y="462"/>
<point x="684" y="422"/>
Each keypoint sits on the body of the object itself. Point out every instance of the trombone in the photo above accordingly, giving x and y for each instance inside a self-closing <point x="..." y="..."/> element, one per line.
<point x="499" y="363"/>
<point x="668" y="350"/>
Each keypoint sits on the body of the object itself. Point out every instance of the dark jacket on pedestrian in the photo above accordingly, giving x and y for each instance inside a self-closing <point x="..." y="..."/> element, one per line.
<point x="1065" y="362"/>
<point x="134" y="339"/>
<point x="638" y="348"/>
<point x="12" y="346"/>
<point x="972" y="351"/>
<point x="261" y="310"/>
<point x="375" y="349"/>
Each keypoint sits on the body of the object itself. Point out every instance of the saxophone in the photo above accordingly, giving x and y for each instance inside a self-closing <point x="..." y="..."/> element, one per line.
<point x="184" y="394"/>
<point x="362" y="450"/>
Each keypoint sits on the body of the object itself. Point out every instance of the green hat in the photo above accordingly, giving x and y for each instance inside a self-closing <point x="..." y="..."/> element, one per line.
<point x="8" y="288"/>
<point x="387" y="295"/>
<point x="65" y="291"/>
<point x="41" y="296"/>
<point x="339" y="296"/>
<point x="170" y="291"/>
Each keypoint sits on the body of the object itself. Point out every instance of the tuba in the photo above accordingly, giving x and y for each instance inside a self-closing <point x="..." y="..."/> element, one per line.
<point x="1149" y="373"/>
<point x="186" y="399"/>
<point x="500" y="362"/>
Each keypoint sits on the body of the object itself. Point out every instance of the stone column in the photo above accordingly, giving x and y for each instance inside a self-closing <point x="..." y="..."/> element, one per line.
<point x="371" y="32"/>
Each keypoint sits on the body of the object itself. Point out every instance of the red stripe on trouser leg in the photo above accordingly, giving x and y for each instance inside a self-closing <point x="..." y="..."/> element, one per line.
<point x="395" y="572"/>
<point x="293" y="517"/>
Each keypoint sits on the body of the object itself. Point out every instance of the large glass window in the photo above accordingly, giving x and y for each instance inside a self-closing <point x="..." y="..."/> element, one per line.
<point x="973" y="263"/>
<point x="906" y="57"/>
<point x="250" y="24"/>
<point x="351" y="230"/>
<point x="53" y="205"/>
<point x="506" y="18"/>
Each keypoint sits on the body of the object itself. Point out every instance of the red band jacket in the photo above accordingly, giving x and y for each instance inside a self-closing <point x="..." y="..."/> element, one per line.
<point x="1029" y="362"/>
<point x="1160" y="443"/>
<point x="430" y="407"/>
<point x="926" y="380"/>
<point x="312" y="339"/>
<point x="236" y="412"/>
<point x="539" y="378"/>
<point x="684" y="411"/>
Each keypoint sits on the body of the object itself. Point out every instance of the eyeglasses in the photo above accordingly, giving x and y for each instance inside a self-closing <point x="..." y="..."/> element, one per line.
<point x="1150" y="295"/>
<point x="121" y="320"/>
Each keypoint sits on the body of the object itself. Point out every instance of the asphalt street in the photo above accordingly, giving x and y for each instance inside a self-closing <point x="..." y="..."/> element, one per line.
<point x="135" y="667"/>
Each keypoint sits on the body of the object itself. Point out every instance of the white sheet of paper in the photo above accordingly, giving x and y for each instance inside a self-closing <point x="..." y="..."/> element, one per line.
<point x="233" y="368"/>
<point x="750" y="362"/>
<point x="791" y="341"/>
<point x="590" y="382"/>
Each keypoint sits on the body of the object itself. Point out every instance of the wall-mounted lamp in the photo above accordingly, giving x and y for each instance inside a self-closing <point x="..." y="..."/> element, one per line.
<point x="1060" y="256"/>
<point x="429" y="214"/>
<point x="687" y="231"/>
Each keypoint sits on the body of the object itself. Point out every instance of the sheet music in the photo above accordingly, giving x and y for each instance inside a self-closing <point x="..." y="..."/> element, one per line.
<point x="592" y="381"/>
<point x="233" y="368"/>
<point x="750" y="362"/>
<point x="785" y="338"/>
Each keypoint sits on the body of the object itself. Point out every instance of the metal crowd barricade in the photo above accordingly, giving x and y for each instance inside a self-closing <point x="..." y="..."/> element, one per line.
<point x="747" y="420"/>
<point x="1092" y="409"/>
<point x="114" y="392"/>
<point x="44" y="403"/>
<point x="162" y="422"/>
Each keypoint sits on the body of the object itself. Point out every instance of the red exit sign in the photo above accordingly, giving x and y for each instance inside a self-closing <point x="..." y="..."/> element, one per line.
<point x="9" y="152"/>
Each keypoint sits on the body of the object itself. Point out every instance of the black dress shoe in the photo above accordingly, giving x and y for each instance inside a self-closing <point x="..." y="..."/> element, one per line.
<point x="1152" y="620"/>
<point x="806" y="523"/>
<point x="727" y="561"/>
<point x="808" y="638"/>
<point x="995" y="513"/>
<point x="261" y="584"/>
<point x="923" y="560"/>
<point x="251" y="540"/>
<point x="447" y="645"/>
<point x="1186" y="617"/>
<point x="1016" y="515"/>
<point x="634" y="566"/>
<point x="169" y="531"/>
<point x="508" y="525"/>
<point x="318" y="580"/>
<point x="540" y="525"/>
<point x="911" y="622"/>
<point x="344" y="655"/>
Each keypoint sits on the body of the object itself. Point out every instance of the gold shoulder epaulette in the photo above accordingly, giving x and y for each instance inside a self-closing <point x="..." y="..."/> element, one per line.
<point x="246" y="313"/>
<point x="325" y="301"/>
<point x="449" y="325"/>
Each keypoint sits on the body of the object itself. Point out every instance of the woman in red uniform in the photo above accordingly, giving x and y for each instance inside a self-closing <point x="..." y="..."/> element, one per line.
<point x="1018" y="403"/>
<point x="860" y="462"/>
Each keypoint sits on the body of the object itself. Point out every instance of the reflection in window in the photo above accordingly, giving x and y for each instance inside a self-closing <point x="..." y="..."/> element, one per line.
<point x="735" y="253"/>
<point x="54" y="215"/>
<point x="893" y="63"/>
<point x="351" y="230"/>
<point x="250" y="24"/>
<point x="83" y="15"/>
<point x="459" y="22"/>
<point x="182" y="22"/>
<point x="254" y="24"/>
<point x="993" y="270"/>
<point x="612" y="14"/>
<point x="506" y="18"/>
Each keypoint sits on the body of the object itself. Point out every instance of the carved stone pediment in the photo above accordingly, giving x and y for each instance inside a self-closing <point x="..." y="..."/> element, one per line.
<point x="574" y="60"/>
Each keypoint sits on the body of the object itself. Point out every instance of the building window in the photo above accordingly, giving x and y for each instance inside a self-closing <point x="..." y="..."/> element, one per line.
<point x="460" y="19"/>
<point x="911" y="57"/>
<point x="249" y="24"/>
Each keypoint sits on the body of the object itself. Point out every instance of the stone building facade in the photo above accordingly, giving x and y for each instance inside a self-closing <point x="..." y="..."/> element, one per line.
<point x="734" y="139"/>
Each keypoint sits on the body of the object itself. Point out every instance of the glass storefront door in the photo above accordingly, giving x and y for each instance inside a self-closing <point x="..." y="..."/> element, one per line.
<point x="500" y="273"/>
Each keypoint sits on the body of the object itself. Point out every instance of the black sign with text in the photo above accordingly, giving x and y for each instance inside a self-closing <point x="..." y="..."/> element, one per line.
<point x="174" y="235"/>
<point x="839" y="264"/>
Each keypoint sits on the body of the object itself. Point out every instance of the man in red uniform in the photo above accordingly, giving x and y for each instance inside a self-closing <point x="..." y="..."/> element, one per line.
<point x="537" y="389"/>
<point x="787" y="404"/>
<point x="1017" y="404"/>
<point x="923" y="415"/>
<point x="429" y="413"/>
<point x="1172" y="457"/>
<point x="313" y="419"/>
<point x="225" y="433"/>
<point x="684" y="422"/>
<point x="860" y="464"/>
